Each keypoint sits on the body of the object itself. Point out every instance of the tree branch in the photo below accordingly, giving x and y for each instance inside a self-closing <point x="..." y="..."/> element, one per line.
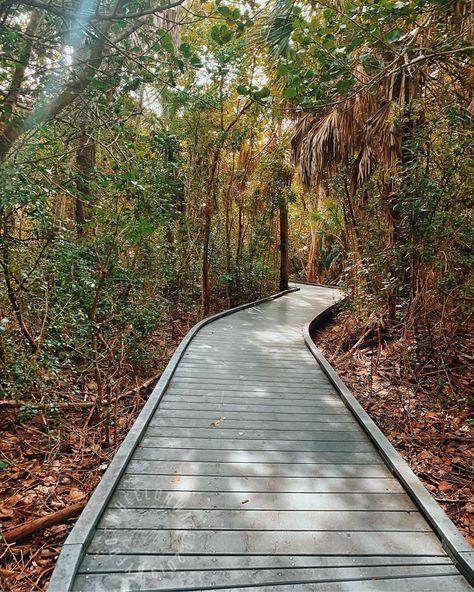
<point x="111" y="16"/>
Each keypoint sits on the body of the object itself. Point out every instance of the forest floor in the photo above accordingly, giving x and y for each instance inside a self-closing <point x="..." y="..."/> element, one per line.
<point x="49" y="463"/>
<point x="434" y="435"/>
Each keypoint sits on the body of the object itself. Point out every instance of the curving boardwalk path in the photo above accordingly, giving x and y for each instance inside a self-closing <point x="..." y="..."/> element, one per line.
<point x="252" y="474"/>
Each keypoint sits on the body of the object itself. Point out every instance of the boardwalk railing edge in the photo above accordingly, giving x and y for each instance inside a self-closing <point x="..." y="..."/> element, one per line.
<point x="456" y="546"/>
<point x="75" y="545"/>
<point x="318" y="285"/>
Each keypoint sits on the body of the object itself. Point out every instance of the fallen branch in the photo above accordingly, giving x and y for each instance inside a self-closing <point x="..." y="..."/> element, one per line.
<point x="441" y="438"/>
<point x="20" y="403"/>
<point x="20" y="532"/>
<point x="140" y="387"/>
<point x="77" y="404"/>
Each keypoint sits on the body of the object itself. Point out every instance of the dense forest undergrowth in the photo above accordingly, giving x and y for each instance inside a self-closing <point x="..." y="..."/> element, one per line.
<point x="163" y="161"/>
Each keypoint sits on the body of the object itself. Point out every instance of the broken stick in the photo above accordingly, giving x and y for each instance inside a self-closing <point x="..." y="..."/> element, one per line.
<point x="20" y="532"/>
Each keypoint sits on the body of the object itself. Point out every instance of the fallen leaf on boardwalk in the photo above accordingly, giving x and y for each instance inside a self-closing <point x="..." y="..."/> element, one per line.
<point x="217" y="421"/>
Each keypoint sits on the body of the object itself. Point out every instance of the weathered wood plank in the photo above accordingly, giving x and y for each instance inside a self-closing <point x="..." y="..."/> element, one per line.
<point x="452" y="583"/>
<point x="254" y="398"/>
<point x="287" y="393"/>
<point x="199" y="580"/>
<point x="225" y="434"/>
<point x="249" y="388"/>
<point x="229" y="357"/>
<point x="260" y="484"/>
<point x="224" y="378"/>
<point x="333" y="407"/>
<point x="249" y="416"/>
<point x="142" y="498"/>
<point x="162" y="563"/>
<point x="242" y="469"/>
<point x="257" y="373"/>
<point x="247" y="349"/>
<point x="257" y="456"/>
<point x="327" y="401"/>
<point x="271" y="543"/>
<point x="249" y="362"/>
<point x="223" y="422"/>
<point x="244" y="519"/>
<point x="242" y="444"/>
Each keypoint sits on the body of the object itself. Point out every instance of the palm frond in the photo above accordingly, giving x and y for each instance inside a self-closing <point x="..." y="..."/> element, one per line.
<point x="275" y="27"/>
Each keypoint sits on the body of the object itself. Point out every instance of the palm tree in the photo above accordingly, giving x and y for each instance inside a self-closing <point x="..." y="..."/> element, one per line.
<point x="356" y="135"/>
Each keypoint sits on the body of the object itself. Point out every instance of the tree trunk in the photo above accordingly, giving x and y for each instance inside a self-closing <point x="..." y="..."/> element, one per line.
<point x="12" y="127"/>
<point x="85" y="164"/>
<point x="8" y="130"/>
<point x="311" y="265"/>
<point x="283" y="244"/>
<point x="206" y="282"/>
<point x="209" y="199"/>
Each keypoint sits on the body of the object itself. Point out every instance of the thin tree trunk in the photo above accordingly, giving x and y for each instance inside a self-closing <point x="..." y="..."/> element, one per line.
<point x="206" y="282"/>
<point x="283" y="243"/>
<point x="311" y="265"/>
<point x="8" y="129"/>
<point x="85" y="163"/>
<point x="208" y="197"/>
<point x="10" y="289"/>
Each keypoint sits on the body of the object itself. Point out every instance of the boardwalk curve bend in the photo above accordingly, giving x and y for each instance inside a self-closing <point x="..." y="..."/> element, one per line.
<point x="251" y="467"/>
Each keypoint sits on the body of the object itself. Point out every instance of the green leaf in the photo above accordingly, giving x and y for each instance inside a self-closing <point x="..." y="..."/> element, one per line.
<point x="186" y="50"/>
<point x="290" y="92"/>
<point x="225" y="11"/>
<point x="99" y="84"/>
<point x="196" y="62"/>
<point x="393" y="35"/>
<point x="4" y="465"/>
<point x="226" y="34"/>
<point x="264" y="92"/>
<point x="215" y="34"/>
<point x="221" y="35"/>
<point x="344" y="84"/>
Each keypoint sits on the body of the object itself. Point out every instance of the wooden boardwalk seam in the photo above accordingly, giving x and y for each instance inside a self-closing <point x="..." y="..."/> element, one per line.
<point x="248" y="470"/>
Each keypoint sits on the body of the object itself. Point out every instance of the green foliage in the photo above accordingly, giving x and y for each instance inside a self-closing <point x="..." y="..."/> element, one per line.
<point x="179" y="139"/>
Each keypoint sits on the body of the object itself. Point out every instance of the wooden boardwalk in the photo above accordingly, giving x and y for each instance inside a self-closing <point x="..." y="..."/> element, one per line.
<point x="252" y="473"/>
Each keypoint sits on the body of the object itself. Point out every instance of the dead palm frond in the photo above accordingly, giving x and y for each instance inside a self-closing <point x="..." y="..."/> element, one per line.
<point x="361" y="133"/>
